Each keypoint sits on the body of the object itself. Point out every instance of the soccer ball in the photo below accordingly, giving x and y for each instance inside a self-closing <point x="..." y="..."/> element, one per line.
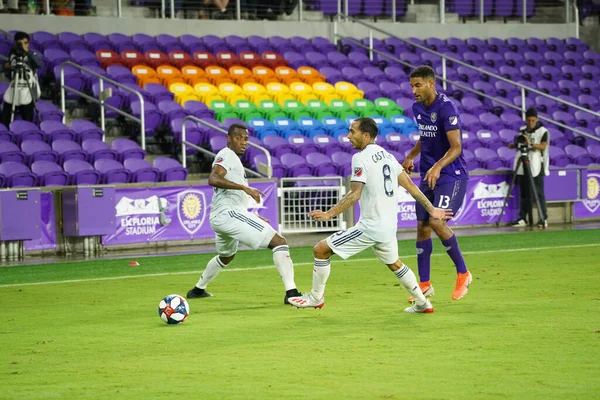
<point x="173" y="309"/>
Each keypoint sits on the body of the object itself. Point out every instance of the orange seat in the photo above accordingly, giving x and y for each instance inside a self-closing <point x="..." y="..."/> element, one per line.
<point x="241" y="75"/>
<point x="217" y="75"/>
<point x="145" y="75"/>
<point x="193" y="75"/>
<point x="286" y="75"/>
<point x="264" y="75"/>
<point x="310" y="75"/>
<point x="169" y="75"/>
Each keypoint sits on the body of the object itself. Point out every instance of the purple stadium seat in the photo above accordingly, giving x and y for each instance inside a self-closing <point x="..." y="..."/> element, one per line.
<point x="372" y="8"/>
<point x="170" y="169"/>
<point x="25" y="130"/>
<point x="85" y="130"/>
<point x="547" y="86"/>
<point x="550" y="72"/>
<point x="142" y="170"/>
<point x="571" y="72"/>
<point x="470" y="141"/>
<point x="127" y="149"/>
<point x="321" y="164"/>
<point x="505" y="8"/>
<point x="11" y="152"/>
<point x="470" y="122"/>
<point x="153" y="117"/>
<point x="343" y="161"/>
<point x="489" y="139"/>
<point x="573" y="58"/>
<point x="81" y="172"/>
<point x="49" y="173"/>
<point x="45" y="40"/>
<point x="279" y="170"/>
<point x="48" y="111"/>
<point x="488" y="158"/>
<point x="198" y="109"/>
<point x="470" y="159"/>
<point x="296" y="164"/>
<point x="507" y="155"/>
<point x="112" y="171"/>
<point x="56" y="130"/>
<point x="303" y="145"/>
<point x="37" y="150"/>
<point x="68" y="150"/>
<point x="97" y="150"/>
<point x="558" y="157"/>
<point x="327" y="144"/>
<point x="464" y="8"/>
<point x="277" y="145"/>
<point x="17" y="175"/>
<point x="578" y="155"/>
<point x="594" y="151"/>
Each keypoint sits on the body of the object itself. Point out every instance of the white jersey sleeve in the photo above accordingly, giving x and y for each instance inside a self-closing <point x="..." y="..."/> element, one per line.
<point x="229" y="199"/>
<point x="226" y="159"/>
<point x="359" y="169"/>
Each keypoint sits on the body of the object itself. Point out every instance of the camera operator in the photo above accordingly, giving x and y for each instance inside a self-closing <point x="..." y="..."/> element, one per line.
<point x="532" y="141"/>
<point x="21" y="71"/>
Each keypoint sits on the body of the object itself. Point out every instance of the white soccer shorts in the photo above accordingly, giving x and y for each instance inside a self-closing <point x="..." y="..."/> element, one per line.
<point x="233" y="227"/>
<point x="352" y="241"/>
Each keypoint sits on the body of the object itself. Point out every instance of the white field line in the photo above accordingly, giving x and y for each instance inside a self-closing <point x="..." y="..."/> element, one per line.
<point x="353" y="260"/>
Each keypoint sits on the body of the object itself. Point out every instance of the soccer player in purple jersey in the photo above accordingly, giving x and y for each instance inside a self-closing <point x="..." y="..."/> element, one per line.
<point x="444" y="175"/>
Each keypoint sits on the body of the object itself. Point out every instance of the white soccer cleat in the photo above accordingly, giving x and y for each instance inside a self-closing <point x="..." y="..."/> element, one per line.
<point x="307" y="300"/>
<point x="426" y="308"/>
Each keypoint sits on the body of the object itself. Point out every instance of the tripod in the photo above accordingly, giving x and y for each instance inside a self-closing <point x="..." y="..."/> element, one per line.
<point x="20" y="79"/>
<point x="523" y="161"/>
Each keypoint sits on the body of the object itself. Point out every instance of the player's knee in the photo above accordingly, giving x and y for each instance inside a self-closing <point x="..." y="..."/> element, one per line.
<point x="437" y="225"/>
<point x="227" y="260"/>
<point x="423" y="230"/>
<point x="277" y="241"/>
<point x="322" y="250"/>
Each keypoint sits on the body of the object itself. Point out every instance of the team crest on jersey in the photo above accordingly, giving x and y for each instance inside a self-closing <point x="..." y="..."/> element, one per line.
<point x="453" y="120"/>
<point x="433" y="117"/>
<point x="219" y="160"/>
<point x="358" y="171"/>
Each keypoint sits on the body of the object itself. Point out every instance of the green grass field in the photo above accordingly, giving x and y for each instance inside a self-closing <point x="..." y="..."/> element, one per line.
<point x="528" y="329"/>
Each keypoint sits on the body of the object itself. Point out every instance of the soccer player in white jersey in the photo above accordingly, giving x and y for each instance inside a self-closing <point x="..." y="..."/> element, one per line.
<point x="231" y="221"/>
<point x="376" y="175"/>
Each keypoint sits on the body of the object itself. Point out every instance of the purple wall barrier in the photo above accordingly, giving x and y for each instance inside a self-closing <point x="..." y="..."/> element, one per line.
<point x="175" y="213"/>
<point x="47" y="240"/>
<point x="20" y="214"/>
<point x="589" y="207"/>
<point x="562" y="185"/>
<point x="482" y="205"/>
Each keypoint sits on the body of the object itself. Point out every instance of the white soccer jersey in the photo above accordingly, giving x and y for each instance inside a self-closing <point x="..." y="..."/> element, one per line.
<point x="379" y="171"/>
<point x="228" y="199"/>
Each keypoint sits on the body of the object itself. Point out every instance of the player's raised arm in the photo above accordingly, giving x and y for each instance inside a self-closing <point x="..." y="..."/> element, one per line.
<point x="437" y="213"/>
<point x="347" y="201"/>
<point x="217" y="179"/>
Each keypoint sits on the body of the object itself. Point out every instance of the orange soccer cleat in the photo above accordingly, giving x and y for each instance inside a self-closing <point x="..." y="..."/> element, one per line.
<point x="427" y="290"/>
<point x="462" y="285"/>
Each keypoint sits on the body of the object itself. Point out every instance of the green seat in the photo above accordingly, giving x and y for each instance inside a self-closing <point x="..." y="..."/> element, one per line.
<point x="270" y="110"/>
<point x="363" y="107"/>
<point x="295" y="109"/>
<point x="387" y="107"/>
<point x="318" y="109"/>
<point x="222" y="110"/>
<point x="340" y="107"/>
<point x="247" y="110"/>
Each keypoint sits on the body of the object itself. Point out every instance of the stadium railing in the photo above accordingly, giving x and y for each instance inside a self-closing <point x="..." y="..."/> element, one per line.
<point x="523" y="89"/>
<point x="103" y="96"/>
<point x="266" y="170"/>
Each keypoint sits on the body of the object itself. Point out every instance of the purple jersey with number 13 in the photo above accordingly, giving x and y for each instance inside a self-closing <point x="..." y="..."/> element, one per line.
<point x="434" y="121"/>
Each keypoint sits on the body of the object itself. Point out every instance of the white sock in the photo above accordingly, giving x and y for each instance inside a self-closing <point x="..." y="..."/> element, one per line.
<point x="213" y="268"/>
<point x="285" y="266"/>
<point x="320" y="275"/>
<point x="409" y="280"/>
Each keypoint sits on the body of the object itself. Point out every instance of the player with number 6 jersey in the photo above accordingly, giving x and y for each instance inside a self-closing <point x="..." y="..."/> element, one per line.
<point x="376" y="175"/>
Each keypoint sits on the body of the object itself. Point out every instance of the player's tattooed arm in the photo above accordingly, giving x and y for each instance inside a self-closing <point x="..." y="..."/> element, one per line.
<point x="347" y="201"/>
<point x="437" y="213"/>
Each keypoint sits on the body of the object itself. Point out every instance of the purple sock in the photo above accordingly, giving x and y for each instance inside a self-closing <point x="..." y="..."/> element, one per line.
<point x="424" y="249"/>
<point x="453" y="250"/>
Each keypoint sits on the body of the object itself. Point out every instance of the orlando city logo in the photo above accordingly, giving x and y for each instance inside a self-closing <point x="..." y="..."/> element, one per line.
<point x="191" y="210"/>
<point x="433" y="117"/>
<point x="592" y="203"/>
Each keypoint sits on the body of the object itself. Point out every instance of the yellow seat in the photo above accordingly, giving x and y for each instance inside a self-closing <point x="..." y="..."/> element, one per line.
<point x="343" y="87"/>
<point x="353" y="96"/>
<point x="306" y="97"/>
<point x="234" y="98"/>
<point x="252" y="88"/>
<point x="258" y="97"/>
<point x="205" y="90"/>
<point x="227" y="90"/>
<point x="281" y="98"/>
<point x="189" y="97"/>
<point x="180" y="90"/>
<point x="275" y="88"/>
